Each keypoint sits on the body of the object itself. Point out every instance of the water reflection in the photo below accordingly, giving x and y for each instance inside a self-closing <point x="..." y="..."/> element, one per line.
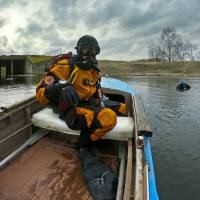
<point x="12" y="94"/>
<point x="19" y="88"/>
<point x="175" y="117"/>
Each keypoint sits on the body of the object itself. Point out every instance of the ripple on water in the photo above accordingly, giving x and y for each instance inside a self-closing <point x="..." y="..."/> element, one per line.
<point x="13" y="94"/>
<point x="175" y="117"/>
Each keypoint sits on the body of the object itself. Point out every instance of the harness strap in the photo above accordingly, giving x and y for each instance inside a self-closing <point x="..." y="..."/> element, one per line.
<point x="73" y="76"/>
<point x="72" y="73"/>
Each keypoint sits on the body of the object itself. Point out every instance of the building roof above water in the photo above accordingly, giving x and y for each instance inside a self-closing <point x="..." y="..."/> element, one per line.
<point x="38" y="58"/>
<point x="32" y="58"/>
<point x="9" y="57"/>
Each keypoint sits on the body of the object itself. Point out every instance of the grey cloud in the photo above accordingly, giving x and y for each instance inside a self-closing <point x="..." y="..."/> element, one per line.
<point x="122" y="27"/>
<point x="24" y="46"/>
<point x="3" y="41"/>
<point x="4" y="4"/>
<point x="11" y="3"/>
<point x="184" y="14"/>
<point x="2" y="21"/>
<point x="66" y="14"/>
<point x="47" y="34"/>
<point x="134" y="18"/>
<point x="142" y="26"/>
<point x="103" y="14"/>
<point x="161" y="14"/>
<point x="54" y="39"/>
<point x="117" y="47"/>
<point x="32" y="30"/>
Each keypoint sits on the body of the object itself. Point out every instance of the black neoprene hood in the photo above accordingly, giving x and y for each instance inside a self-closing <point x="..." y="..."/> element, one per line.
<point x="87" y="40"/>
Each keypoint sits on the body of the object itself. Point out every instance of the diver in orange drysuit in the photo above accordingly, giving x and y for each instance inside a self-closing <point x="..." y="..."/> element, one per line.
<point x="72" y="85"/>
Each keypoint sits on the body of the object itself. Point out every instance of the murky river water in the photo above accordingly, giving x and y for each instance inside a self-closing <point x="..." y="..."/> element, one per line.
<point x="175" y="118"/>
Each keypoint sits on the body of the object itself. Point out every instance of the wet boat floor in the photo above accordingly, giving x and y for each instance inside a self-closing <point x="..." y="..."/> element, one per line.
<point x="46" y="171"/>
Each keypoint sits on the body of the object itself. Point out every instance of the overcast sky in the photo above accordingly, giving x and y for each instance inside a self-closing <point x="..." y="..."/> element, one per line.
<point x="123" y="28"/>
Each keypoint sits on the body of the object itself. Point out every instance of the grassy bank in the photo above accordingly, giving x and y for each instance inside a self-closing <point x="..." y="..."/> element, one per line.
<point x="139" y="68"/>
<point x="144" y="68"/>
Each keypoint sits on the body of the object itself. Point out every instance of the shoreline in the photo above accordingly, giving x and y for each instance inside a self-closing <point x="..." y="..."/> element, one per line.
<point x="147" y="68"/>
<point x="142" y="69"/>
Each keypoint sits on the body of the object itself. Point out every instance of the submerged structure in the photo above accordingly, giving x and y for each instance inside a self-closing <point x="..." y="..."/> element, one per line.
<point x="13" y="65"/>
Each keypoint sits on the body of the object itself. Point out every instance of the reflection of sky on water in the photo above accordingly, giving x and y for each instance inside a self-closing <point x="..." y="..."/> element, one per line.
<point x="13" y="94"/>
<point x="175" y="117"/>
<point x="23" y="87"/>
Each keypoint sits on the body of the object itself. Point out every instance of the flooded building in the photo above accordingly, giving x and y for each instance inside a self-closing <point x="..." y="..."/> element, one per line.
<point x="12" y="65"/>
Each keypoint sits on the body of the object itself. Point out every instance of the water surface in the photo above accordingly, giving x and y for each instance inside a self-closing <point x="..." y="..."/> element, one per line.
<point x="175" y="118"/>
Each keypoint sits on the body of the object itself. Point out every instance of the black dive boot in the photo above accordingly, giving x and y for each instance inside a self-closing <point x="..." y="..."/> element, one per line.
<point x="101" y="180"/>
<point x="84" y="143"/>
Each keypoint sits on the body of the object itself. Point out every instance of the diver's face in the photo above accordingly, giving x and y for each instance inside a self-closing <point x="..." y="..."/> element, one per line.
<point x="86" y="51"/>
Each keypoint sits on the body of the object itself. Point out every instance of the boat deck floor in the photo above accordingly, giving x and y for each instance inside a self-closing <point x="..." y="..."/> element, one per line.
<point x="46" y="171"/>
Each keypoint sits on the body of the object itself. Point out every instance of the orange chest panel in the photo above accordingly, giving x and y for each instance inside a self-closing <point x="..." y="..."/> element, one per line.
<point x="84" y="90"/>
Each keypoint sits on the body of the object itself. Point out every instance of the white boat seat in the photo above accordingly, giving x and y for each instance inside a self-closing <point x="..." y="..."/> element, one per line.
<point x="47" y="119"/>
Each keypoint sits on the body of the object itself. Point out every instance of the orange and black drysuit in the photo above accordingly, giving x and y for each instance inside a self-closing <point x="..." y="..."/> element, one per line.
<point x="88" y="116"/>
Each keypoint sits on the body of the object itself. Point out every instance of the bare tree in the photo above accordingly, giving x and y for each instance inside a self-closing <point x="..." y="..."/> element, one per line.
<point x="197" y="56"/>
<point x="172" y="47"/>
<point x="189" y="50"/>
<point x="179" y="50"/>
<point x="170" y="42"/>
<point x="156" y="52"/>
<point x="153" y="51"/>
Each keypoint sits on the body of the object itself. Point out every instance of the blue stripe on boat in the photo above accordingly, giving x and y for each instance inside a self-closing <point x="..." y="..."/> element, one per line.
<point x="116" y="84"/>
<point x="153" y="194"/>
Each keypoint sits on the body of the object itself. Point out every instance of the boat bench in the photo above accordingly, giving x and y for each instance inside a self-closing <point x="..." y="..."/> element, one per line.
<point x="47" y="119"/>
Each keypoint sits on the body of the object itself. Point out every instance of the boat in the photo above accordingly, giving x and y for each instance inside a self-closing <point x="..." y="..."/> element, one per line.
<point x="38" y="161"/>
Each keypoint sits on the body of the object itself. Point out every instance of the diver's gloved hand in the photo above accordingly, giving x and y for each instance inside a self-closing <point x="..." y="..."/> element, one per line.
<point x="52" y="91"/>
<point x="68" y="98"/>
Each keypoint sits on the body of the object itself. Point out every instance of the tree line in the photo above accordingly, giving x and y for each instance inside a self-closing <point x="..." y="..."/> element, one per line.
<point x="172" y="47"/>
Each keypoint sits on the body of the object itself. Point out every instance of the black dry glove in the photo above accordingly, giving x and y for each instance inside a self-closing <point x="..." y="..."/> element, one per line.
<point x="68" y="98"/>
<point x="52" y="91"/>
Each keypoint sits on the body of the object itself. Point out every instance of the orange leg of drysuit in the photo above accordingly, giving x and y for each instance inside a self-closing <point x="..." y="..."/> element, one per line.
<point x="108" y="119"/>
<point x="101" y="120"/>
